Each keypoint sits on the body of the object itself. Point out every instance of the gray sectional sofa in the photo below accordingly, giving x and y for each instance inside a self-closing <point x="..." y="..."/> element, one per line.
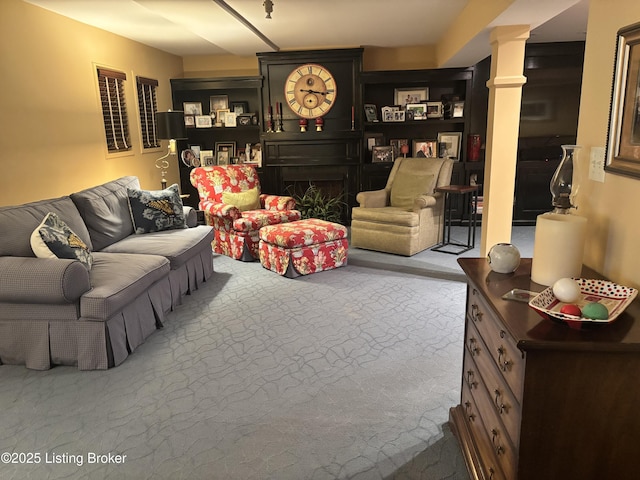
<point x="58" y="312"/>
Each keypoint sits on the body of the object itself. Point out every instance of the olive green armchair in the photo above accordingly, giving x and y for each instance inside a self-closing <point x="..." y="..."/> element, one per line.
<point x="406" y="217"/>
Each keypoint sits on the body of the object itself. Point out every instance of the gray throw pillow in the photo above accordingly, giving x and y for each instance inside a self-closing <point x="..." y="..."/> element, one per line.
<point x="156" y="210"/>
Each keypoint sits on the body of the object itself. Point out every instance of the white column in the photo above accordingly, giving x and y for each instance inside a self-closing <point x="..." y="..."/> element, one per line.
<point x="503" y="123"/>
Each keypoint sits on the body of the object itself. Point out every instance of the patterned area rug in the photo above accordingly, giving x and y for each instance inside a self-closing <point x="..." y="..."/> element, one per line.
<point x="344" y="374"/>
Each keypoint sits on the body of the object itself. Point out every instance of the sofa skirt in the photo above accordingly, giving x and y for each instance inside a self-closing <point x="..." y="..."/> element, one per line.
<point x="98" y="345"/>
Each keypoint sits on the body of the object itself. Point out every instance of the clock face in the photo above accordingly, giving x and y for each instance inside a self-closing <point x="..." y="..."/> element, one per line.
<point x="310" y="91"/>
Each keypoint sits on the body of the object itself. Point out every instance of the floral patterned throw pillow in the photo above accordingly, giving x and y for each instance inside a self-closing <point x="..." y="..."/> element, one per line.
<point x="156" y="210"/>
<point x="54" y="239"/>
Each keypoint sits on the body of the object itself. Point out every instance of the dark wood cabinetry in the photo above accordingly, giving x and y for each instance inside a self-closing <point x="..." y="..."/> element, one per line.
<point x="540" y="399"/>
<point x="338" y="157"/>
<point x="196" y="90"/>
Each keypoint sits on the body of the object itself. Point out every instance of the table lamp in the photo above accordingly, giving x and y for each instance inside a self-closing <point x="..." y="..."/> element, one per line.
<point x="170" y="127"/>
<point x="559" y="238"/>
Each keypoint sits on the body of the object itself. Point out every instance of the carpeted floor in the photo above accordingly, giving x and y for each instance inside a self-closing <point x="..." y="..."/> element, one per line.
<point x="345" y="374"/>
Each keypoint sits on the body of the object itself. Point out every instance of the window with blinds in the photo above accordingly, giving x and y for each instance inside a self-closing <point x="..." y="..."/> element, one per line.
<point x="147" y="107"/>
<point x="114" y="110"/>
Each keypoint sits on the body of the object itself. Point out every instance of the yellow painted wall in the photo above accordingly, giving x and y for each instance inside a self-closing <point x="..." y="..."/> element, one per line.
<point x="51" y="130"/>
<point x="613" y="242"/>
<point x="373" y="59"/>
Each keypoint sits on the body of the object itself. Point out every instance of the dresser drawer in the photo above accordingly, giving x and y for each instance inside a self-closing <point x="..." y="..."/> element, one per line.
<point x="495" y="431"/>
<point x="482" y="370"/>
<point x="490" y="465"/>
<point x="502" y="348"/>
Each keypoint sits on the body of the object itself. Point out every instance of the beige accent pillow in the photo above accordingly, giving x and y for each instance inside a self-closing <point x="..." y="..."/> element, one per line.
<point x="247" y="200"/>
<point x="409" y="185"/>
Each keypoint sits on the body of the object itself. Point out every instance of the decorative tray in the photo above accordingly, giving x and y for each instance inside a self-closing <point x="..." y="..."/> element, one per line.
<point x="613" y="296"/>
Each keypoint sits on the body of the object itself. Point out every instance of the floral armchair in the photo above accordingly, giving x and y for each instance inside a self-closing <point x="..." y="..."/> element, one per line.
<point x="233" y="204"/>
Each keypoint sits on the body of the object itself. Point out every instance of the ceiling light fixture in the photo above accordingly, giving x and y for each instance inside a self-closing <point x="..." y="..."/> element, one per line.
<point x="226" y="7"/>
<point x="268" y="8"/>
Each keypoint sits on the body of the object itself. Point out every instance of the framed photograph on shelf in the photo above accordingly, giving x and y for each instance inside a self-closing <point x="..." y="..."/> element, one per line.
<point x="230" y="119"/>
<point x="388" y="113"/>
<point x="397" y="144"/>
<point x="418" y="110"/>
<point x="373" y="139"/>
<point x="435" y="110"/>
<point x="189" y="158"/>
<point x="206" y="158"/>
<point x="245" y="119"/>
<point x="370" y="112"/>
<point x="218" y="102"/>
<point x="239" y="108"/>
<point x="449" y="144"/>
<point x="383" y="153"/>
<point x="192" y="108"/>
<point x="220" y="116"/>
<point x="203" y="121"/>
<point x="425" y="148"/>
<point x="406" y="96"/>
<point x="195" y="149"/>
<point x="190" y="121"/>
<point x="457" y="109"/>
<point x="226" y="147"/>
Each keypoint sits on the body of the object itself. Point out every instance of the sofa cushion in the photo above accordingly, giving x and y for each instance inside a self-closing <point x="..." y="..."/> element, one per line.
<point x="105" y="210"/>
<point x="54" y="239"/>
<point x="117" y="280"/>
<point x="247" y="200"/>
<point x="176" y="245"/>
<point x="156" y="210"/>
<point x="407" y="186"/>
<point x="17" y="223"/>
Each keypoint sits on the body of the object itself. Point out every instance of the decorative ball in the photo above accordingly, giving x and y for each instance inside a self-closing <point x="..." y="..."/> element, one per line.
<point x="566" y="290"/>
<point x="571" y="309"/>
<point x="595" y="311"/>
<point x="503" y="258"/>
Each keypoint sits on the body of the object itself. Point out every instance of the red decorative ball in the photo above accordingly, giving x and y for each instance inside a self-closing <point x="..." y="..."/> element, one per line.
<point x="571" y="309"/>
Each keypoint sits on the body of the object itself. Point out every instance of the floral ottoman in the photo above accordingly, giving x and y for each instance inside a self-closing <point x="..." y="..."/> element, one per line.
<point x="303" y="247"/>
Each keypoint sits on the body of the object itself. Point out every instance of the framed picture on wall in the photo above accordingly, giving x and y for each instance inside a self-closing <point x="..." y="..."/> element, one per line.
<point x="623" y="138"/>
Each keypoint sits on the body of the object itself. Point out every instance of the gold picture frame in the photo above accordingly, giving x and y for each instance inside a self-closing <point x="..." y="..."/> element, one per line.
<point x="623" y="139"/>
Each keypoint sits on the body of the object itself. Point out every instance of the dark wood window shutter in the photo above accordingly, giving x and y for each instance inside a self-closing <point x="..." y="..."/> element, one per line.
<point x="114" y="109"/>
<point x="147" y="107"/>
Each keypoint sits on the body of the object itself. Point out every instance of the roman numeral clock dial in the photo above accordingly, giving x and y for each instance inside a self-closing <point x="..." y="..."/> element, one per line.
<point x="310" y="91"/>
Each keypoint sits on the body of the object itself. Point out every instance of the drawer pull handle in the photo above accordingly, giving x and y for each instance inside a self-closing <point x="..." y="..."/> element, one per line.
<point x="501" y="407"/>
<point x="470" y="415"/>
<point x="470" y="381"/>
<point x="503" y="334"/>
<point x="494" y="439"/>
<point x="476" y="314"/>
<point x="502" y="362"/>
<point x="491" y="472"/>
<point x="473" y="348"/>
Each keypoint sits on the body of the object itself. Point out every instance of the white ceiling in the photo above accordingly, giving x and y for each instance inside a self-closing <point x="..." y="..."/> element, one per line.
<point x="202" y="27"/>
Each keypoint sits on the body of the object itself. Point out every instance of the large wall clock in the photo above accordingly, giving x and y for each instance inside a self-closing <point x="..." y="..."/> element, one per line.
<point x="310" y="90"/>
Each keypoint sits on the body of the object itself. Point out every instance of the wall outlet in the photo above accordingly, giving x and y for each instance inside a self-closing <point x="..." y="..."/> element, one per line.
<point x="596" y="164"/>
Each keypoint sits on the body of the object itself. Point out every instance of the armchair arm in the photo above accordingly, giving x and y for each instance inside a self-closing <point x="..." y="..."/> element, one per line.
<point x="280" y="203"/>
<point x="42" y="280"/>
<point x="222" y="210"/>
<point x="424" y="201"/>
<point x="373" y="198"/>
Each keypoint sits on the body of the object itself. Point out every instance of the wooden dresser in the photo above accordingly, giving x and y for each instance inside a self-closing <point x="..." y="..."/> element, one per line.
<point x="541" y="400"/>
